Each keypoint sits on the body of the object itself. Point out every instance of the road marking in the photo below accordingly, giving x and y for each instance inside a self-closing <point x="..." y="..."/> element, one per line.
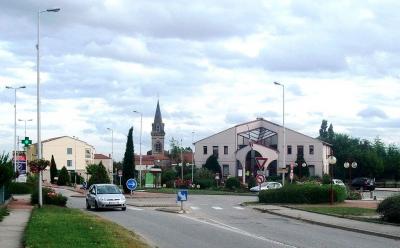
<point x="133" y="208"/>
<point x="217" y="208"/>
<point x="239" y="208"/>
<point x="236" y="230"/>
<point x="194" y="208"/>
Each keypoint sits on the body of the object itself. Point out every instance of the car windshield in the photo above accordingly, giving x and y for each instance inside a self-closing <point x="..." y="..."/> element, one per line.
<point x="108" y="189"/>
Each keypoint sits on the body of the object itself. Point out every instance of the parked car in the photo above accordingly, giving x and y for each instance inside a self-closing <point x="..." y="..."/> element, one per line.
<point x="363" y="183"/>
<point x="105" y="196"/>
<point x="338" y="182"/>
<point x="266" y="185"/>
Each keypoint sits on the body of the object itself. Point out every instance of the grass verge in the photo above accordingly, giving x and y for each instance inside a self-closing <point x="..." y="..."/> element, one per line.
<point x="199" y="192"/>
<point x="53" y="226"/>
<point x="3" y="212"/>
<point x="340" y="211"/>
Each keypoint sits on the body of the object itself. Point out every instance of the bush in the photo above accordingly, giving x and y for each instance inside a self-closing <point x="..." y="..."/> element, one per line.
<point x="251" y="182"/>
<point x="326" y="179"/>
<point x="20" y="188"/>
<point x="63" y="177"/>
<point x="390" y="209"/>
<point x="232" y="183"/>
<point x="168" y="176"/>
<point x="354" y="195"/>
<point x="205" y="183"/>
<point x="305" y="193"/>
<point x="50" y="197"/>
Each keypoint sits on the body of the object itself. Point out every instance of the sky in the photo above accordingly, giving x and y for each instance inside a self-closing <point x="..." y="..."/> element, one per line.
<point x="211" y="64"/>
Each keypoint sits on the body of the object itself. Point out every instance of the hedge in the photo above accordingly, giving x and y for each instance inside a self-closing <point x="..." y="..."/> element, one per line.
<point x="19" y="188"/>
<point x="49" y="197"/>
<point x="302" y="194"/>
<point x="390" y="209"/>
<point x="232" y="183"/>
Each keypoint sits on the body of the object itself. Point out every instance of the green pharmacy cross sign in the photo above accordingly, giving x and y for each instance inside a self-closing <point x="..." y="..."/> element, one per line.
<point x="26" y="142"/>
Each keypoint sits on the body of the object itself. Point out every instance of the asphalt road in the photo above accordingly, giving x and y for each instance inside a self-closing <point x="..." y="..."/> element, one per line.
<point x="218" y="221"/>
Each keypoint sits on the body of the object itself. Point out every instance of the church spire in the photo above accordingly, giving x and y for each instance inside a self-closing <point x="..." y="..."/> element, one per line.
<point x="157" y="117"/>
<point x="157" y="133"/>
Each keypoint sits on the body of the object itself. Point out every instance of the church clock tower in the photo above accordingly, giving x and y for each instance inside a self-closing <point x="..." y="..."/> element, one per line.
<point x="157" y="133"/>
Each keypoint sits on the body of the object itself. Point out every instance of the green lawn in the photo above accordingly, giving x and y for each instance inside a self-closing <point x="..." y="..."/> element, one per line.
<point x="3" y="212"/>
<point x="199" y="191"/>
<point x="53" y="226"/>
<point x="340" y="211"/>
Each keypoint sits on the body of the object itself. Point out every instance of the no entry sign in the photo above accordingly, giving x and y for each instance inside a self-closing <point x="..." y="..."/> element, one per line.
<point x="260" y="179"/>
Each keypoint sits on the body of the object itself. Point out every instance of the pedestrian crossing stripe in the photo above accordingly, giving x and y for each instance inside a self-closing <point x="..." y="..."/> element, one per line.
<point x="194" y="208"/>
<point x="217" y="208"/>
<point x="239" y="208"/>
<point x="133" y="208"/>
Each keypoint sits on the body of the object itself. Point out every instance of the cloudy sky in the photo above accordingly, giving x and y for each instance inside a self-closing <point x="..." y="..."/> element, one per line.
<point x="212" y="64"/>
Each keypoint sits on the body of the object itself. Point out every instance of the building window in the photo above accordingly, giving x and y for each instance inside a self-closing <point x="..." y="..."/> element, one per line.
<point x="69" y="151"/>
<point x="158" y="128"/>
<point x="87" y="153"/>
<point x="225" y="149"/>
<point x="157" y="147"/>
<point x="225" y="170"/>
<point x="300" y="150"/>
<point x="311" y="148"/>
<point x="289" y="149"/>
<point x="204" y="149"/>
<point x="69" y="163"/>
<point x="215" y="151"/>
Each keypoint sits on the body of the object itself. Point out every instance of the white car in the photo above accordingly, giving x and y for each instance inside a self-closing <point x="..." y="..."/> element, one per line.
<point x="338" y="182"/>
<point x="266" y="185"/>
<point x="105" y="196"/>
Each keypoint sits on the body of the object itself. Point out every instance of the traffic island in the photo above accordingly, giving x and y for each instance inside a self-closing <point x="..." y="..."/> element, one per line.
<point x="172" y="210"/>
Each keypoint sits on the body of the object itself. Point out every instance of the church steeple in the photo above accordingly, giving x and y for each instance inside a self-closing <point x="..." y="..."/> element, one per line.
<point x="157" y="133"/>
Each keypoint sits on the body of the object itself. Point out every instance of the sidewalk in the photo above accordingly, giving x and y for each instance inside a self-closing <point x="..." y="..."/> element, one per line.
<point x="381" y="230"/>
<point x="12" y="227"/>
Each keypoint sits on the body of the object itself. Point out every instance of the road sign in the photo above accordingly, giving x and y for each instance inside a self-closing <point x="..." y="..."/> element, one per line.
<point x="261" y="162"/>
<point x="260" y="179"/>
<point x="282" y="170"/>
<point x="84" y="185"/>
<point x="131" y="184"/>
<point x="260" y="172"/>
<point x="120" y="173"/>
<point x="182" y="195"/>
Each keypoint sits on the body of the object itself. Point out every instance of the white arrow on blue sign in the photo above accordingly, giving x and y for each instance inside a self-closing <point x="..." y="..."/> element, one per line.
<point x="131" y="184"/>
<point x="182" y="195"/>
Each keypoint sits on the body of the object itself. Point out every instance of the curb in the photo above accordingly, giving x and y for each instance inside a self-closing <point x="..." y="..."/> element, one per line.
<point x="331" y="225"/>
<point x="173" y="211"/>
<point x="151" y="205"/>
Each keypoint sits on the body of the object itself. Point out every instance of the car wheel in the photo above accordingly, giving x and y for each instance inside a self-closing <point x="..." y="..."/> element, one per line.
<point x="96" y="207"/>
<point x="123" y="209"/>
<point x="88" y="205"/>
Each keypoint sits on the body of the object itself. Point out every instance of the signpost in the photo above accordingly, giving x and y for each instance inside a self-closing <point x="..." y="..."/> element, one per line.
<point x="182" y="196"/>
<point x="131" y="184"/>
<point x="291" y="173"/>
<point x="120" y="176"/>
<point x="260" y="178"/>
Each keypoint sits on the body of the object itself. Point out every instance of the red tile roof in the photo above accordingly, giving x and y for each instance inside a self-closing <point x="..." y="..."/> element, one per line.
<point x="100" y="156"/>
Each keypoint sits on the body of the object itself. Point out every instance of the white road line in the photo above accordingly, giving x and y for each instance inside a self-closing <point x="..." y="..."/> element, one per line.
<point x="239" y="208"/>
<point x="133" y="208"/>
<point x="237" y="230"/>
<point x="194" y="208"/>
<point x="217" y="208"/>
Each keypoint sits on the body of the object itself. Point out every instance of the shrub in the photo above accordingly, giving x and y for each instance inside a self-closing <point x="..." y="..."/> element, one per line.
<point x="98" y="174"/>
<point x="168" y="176"/>
<point x="232" y="183"/>
<point x="19" y="188"/>
<point x="63" y="177"/>
<point x="354" y="195"/>
<point x="326" y="179"/>
<point x="305" y="193"/>
<point x="50" y="197"/>
<point x="390" y="209"/>
<point x="205" y="183"/>
<point x="251" y="182"/>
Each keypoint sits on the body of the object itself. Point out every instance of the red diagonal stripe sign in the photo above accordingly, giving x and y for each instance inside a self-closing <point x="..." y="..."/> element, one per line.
<point x="261" y="162"/>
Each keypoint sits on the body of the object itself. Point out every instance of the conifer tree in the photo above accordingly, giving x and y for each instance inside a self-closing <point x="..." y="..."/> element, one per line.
<point x="53" y="169"/>
<point x="128" y="164"/>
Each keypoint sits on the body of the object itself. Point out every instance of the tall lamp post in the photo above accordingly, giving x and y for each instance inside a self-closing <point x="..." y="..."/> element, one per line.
<point x="284" y="131"/>
<point x="140" y="146"/>
<point x="39" y="142"/>
<point x="303" y="165"/>
<point x="112" y="154"/>
<point x="25" y="120"/>
<point x="192" y="156"/>
<point x="347" y="165"/>
<point x="331" y="161"/>
<point x="15" y="122"/>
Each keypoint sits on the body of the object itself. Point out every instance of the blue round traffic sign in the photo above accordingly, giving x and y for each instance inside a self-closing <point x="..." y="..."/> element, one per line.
<point x="131" y="184"/>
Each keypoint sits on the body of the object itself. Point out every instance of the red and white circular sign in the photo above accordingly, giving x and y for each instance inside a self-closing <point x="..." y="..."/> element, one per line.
<point x="260" y="179"/>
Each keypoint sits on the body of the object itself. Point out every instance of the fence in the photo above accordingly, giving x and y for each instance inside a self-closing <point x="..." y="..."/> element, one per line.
<point x="4" y="194"/>
<point x="388" y="184"/>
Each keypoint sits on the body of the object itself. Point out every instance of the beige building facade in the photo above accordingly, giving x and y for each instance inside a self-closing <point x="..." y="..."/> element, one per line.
<point x="70" y="152"/>
<point x="237" y="147"/>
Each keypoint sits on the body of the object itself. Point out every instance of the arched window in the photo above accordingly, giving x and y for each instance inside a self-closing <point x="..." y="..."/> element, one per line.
<point x="158" y="128"/>
<point x="158" y="147"/>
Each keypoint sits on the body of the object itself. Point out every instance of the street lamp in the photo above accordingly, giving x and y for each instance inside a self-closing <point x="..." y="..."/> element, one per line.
<point x="300" y="169"/>
<point x="25" y="120"/>
<point x="140" y="146"/>
<point x="284" y="133"/>
<point x="347" y="165"/>
<point x="192" y="156"/>
<point x="39" y="142"/>
<point x="15" y="122"/>
<point x="331" y="161"/>
<point x="112" y="154"/>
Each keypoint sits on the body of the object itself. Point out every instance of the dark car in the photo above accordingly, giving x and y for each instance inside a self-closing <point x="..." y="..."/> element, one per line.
<point x="363" y="183"/>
